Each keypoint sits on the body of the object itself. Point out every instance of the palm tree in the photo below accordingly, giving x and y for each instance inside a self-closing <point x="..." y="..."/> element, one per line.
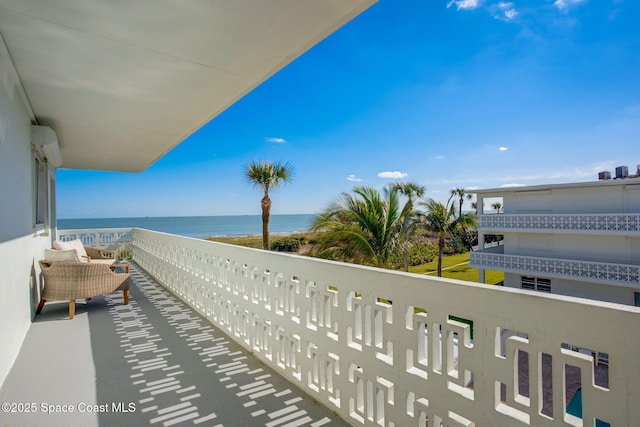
<point x="363" y="227"/>
<point x="497" y="206"/>
<point x="441" y="219"/>
<point x="460" y="193"/>
<point x="268" y="176"/>
<point x="410" y="190"/>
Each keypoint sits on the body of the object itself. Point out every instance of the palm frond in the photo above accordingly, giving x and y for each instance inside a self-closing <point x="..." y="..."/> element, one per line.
<point x="361" y="227"/>
<point x="269" y="175"/>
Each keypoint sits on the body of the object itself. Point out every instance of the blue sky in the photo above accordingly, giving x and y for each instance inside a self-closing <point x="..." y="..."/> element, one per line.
<point x="468" y="93"/>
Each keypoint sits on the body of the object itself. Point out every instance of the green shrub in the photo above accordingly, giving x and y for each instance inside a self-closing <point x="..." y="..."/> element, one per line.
<point x="456" y="245"/>
<point x="287" y="244"/>
<point x="422" y="253"/>
<point x="419" y="253"/>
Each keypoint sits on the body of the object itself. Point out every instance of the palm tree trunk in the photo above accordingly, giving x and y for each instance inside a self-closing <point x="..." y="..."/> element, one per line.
<point x="265" y="203"/>
<point x="406" y="248"/>
<point x="406" y="258"/>
<point x="440" y="253"/>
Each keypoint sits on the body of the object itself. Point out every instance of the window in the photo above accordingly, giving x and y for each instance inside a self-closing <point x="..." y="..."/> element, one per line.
<point x="536" y="284"/>
<point x="543" y="285"/>
<point x="636" y="299"/>
<point x="528" y="283"/>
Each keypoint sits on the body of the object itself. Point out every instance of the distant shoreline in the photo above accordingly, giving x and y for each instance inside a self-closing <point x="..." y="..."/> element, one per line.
<point x="175" y="216"/>
<point x="199" y="226"/>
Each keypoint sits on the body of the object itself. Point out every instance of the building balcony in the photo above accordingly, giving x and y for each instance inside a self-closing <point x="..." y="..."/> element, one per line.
<point x="627" y="224"/>
<point x="572" y="269"/>
<point x="376" y="347"/>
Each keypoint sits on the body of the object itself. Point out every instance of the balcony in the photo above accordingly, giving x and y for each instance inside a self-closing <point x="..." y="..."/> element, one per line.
<point x="623" y="224"/>
<point x="153" y="362"/>
<point x="572" y="269"/>
<point x="376" y="347"/>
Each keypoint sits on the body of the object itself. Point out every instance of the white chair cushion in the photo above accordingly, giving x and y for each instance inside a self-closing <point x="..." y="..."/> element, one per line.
<point x="73" y="244"/>
<point x="53" y="255"/>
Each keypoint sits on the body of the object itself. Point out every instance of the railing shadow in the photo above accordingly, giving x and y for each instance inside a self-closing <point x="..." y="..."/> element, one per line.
<point x="157" y="362"/>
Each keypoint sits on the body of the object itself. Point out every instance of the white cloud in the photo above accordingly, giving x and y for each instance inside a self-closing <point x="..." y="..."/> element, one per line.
<point x="353" y="178"/>
<point x="473" y="187"/>
<point x="503" y="11"/>
<point x="275" y="140"/>
<point x="439" y="157"/>
<point x="510" y="14"/>
<point x="393" y="175"/>
<point x="464" y="4"/>
<point x="503" y="148"/>
<point x="511" y="185"/>
<point x="566" y="4"/>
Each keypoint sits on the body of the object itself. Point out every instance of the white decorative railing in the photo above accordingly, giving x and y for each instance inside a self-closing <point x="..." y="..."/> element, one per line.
<point x="114" y="239"/>
<point x="590" y="223"/>
<point x="592" y="271"/>
<point x="395" y="349"/>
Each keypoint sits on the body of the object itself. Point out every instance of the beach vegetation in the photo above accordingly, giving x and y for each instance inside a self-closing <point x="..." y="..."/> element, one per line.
<point x="460" y="194"/>
<point x="254" y="241"/>
<point x="463" y="238"/>
<point x="288" y="244"/>
<point x="411" y="191"/>
<point x="442" y="221"/>
<point x="363" y="227"/>
<point x="422" y="257"/>
<point x="420" y="252"/>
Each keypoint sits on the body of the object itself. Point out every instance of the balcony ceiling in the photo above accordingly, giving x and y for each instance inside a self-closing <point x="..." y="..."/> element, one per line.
<point x="123" y="82"/>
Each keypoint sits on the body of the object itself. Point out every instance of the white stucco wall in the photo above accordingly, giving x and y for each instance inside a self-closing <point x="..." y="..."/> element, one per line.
<point x="20" y="249"/>
<point x="634" y="250"/>
<point x="530" y="202"/>
<point x="608" y="293"/>
<point x="585" y="247"/>
<point x="610" y="197"/>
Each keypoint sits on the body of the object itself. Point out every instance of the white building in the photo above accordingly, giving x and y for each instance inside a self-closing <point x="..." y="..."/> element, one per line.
<point x="579" y="239"/>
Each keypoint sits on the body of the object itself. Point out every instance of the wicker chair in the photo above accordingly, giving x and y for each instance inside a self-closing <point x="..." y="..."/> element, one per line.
<point x="83" y="253"/>
<point x="68" y="281"/>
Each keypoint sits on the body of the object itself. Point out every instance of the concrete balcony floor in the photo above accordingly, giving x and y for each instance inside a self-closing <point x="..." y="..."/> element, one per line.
<point x="153" y="362"/>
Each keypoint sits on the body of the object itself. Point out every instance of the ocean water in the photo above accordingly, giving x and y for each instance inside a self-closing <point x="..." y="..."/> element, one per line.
<point x="198" y="226"/>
